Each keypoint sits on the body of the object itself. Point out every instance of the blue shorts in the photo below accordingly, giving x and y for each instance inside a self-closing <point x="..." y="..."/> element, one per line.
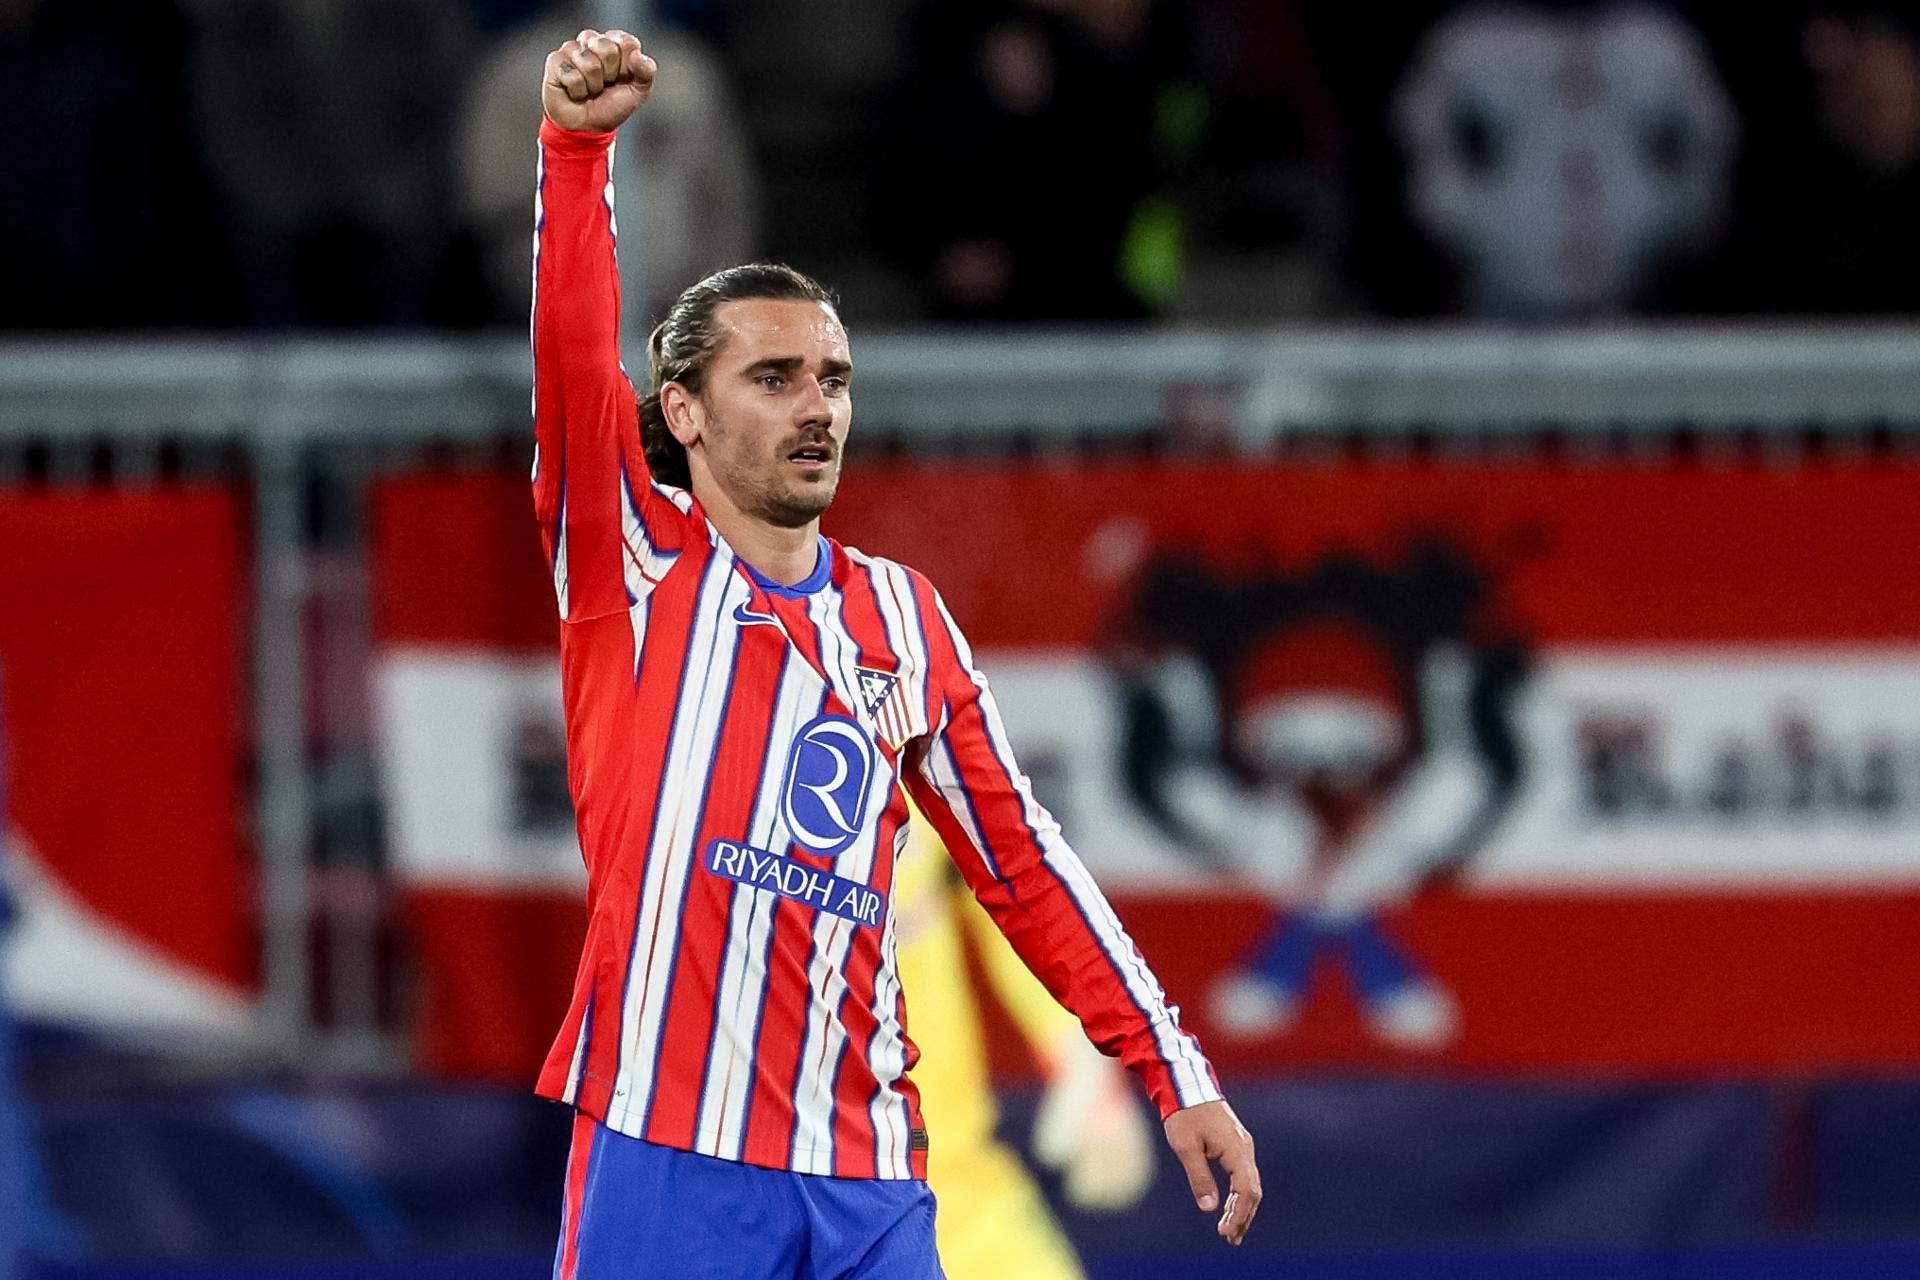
<point x="638" y="1211"/>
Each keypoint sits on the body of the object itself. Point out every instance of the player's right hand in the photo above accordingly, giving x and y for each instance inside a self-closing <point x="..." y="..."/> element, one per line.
<point x="596" y="80"/>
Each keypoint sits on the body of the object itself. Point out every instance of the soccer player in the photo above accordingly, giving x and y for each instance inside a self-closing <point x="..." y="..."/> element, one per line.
<point x="994" y="1223"/>
<point x="744" y="700"/>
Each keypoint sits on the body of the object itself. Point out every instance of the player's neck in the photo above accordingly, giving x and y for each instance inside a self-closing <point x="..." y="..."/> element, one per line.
<point x="785" y="555"/>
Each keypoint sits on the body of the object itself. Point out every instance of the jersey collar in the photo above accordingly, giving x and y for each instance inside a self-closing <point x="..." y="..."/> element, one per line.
<point x="814" y="581"/>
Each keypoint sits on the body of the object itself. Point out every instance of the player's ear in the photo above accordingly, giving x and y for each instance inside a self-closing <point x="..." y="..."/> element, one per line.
<point x="684" y="414"/>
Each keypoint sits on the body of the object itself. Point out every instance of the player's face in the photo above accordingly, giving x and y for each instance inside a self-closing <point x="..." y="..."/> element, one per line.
<point x="778" y="401"/>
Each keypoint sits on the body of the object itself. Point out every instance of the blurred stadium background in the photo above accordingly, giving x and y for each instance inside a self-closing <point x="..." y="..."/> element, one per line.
<point x="1437" y="486"/>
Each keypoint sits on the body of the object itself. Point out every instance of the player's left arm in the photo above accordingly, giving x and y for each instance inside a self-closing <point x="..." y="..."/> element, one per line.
<point x="1011" y="853"/>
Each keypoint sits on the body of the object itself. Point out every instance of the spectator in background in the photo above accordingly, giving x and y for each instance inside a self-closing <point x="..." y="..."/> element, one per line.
<point x="103" y="215"/>
<point x="325" y="126"/>
<point x="1026" y="159"/>
<point x="699" y="197"/>
<point x="1564" y="157"/>
<point x="1831" y="221"/>
<point x="1260" y="204"/>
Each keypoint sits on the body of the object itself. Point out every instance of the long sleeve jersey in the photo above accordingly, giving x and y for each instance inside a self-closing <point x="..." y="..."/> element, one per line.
<point x="736" y="751"/>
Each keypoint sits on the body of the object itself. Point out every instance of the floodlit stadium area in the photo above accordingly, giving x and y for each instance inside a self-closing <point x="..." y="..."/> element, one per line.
<point x="1429" y="491"/>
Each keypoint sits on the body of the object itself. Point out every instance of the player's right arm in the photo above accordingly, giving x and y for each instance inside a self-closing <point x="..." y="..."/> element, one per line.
<point x="590" y="480"/>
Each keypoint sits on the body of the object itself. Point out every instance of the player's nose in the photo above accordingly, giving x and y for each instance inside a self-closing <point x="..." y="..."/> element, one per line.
<point x="811" y="407"/>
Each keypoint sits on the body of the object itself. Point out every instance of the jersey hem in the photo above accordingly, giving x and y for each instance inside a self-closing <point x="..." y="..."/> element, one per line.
<point x="824" y="1153"/>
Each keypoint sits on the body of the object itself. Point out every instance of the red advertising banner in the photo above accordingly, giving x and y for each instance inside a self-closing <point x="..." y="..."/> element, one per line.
<point x="120" y="636"/>
<point x="1502" y="766"/>
<point x="468" y="695"/>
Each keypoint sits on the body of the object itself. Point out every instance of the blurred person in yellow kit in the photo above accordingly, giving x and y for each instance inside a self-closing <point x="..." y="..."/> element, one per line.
<point x="993" y="1222"/>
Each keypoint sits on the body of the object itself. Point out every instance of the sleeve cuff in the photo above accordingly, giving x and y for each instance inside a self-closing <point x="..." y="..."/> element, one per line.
<point x="573" y="142"/>
<point x="1169" y="1097"/>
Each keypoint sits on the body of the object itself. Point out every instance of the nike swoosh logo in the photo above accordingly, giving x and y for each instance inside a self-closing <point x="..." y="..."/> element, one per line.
<point x="747" y="617"/>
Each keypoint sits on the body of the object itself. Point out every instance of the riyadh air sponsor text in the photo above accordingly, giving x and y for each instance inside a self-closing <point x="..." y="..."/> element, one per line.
<point x="796" y="881"/>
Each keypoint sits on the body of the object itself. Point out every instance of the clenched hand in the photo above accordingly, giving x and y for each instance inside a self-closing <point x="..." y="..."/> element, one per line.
<point x="596" y="80"/>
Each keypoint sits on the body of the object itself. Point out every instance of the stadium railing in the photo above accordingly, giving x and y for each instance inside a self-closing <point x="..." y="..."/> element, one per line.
<point x="1262" y="384"/>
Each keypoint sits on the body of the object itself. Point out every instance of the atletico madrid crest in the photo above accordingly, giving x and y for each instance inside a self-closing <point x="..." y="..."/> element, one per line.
<point x="878" y="695"/>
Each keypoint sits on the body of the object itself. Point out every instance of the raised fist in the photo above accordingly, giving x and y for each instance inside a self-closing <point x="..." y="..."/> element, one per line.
<point x="596" y="80"/>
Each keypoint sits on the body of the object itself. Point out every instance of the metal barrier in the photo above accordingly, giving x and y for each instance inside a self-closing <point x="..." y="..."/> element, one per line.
<point x="1262" y="384"/>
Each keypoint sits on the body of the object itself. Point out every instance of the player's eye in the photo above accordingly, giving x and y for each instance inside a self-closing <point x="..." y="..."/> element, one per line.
<point x="834" y="386"/>
<point x="772" y="381"/>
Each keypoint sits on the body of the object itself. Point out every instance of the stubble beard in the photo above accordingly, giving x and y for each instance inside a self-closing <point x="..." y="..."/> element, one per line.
<point x="782" y="500"/>
<point x="785" y="502"/>
<point x="794" y="506"/>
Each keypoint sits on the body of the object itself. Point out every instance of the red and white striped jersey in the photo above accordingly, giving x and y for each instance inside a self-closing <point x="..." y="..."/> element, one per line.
<point x="735" y="750"/>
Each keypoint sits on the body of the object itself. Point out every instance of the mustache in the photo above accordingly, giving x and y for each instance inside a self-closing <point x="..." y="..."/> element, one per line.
<point x="820" y="440"/>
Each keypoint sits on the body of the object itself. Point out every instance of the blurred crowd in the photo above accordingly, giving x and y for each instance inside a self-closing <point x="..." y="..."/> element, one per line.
<point x="341" y="163"/>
